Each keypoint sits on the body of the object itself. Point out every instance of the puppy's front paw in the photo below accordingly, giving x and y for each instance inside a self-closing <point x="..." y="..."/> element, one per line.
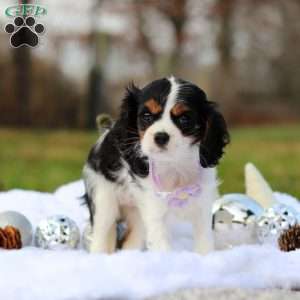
<point x="97" y="247"/>
<point x="162" y="246"/>
<point x="203" y="247"/>
<point x="94" y="248"/>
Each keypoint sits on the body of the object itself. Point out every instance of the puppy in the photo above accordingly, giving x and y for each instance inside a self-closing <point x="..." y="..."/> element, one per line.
<point x="157" y="160"/>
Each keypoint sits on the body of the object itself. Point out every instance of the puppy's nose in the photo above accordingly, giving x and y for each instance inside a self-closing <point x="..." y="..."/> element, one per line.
<point x="161" y="138"/>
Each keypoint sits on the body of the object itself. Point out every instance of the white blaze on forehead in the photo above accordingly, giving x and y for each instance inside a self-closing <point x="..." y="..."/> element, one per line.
<point x="171" y="99"/>
<point x="165" y="123"/>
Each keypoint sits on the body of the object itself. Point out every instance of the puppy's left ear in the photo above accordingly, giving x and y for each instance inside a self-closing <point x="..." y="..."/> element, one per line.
<point x="215" y="138"/>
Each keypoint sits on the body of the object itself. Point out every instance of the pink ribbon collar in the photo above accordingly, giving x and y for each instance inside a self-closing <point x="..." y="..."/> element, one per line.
<point x="179" y="197"/>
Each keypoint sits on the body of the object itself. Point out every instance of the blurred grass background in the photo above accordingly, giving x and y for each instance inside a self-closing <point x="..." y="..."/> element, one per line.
<point x="45" y="159"/>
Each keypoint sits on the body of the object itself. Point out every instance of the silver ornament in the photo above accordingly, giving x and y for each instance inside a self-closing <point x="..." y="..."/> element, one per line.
<point x="235" y="209"/>
<point x="19" y="221"/>
<point x="87" y="234"/>
<point x="57" y="233"/>
<point x="234" y="217"/>
<point x="274" y="221"/>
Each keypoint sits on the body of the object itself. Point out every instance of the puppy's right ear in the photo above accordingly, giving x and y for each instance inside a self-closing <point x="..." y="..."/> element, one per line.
<point x="129" y="107"/>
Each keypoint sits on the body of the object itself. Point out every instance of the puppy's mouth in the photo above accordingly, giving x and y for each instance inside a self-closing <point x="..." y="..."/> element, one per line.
<point x="157" y="150"/>
<point x="158" y="154"/>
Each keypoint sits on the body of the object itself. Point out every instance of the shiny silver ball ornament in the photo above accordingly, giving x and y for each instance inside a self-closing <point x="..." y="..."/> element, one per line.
<point x="274" y="221"/>
<point x="57" y="233"/>
<point x="234" y="220"/>
<point x="234" y="209"/>
<point x="19" y="221"/>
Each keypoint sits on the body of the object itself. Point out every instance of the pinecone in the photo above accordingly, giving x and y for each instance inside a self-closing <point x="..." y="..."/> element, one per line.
<point x="10" y="238"/>
<point x="289" y="240"/>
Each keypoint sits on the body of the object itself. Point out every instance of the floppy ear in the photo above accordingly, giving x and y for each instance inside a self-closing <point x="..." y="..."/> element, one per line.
<point x="129" y="107"/>
<point x="215" y="138"/>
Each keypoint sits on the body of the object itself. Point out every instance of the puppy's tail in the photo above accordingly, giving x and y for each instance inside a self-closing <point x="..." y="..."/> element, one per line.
<point x="104" y="122"/>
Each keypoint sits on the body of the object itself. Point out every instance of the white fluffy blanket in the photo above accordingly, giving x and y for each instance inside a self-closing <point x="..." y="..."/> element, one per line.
<point x="32" y="273"/>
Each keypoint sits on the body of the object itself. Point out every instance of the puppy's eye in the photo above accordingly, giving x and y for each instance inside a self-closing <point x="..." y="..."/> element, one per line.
<point x="147" y="117"/>
<point x="185" y="121"/>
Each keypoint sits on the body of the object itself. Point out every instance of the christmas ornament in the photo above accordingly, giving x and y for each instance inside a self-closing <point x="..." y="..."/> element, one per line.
<point x="257" y="187"/>
<point x="289" y="240"/>
<point x="235" y="209"/>
<point x="87" y="235"/>
<point x="20" y="222"/>
<point x="57" y="232"/>
<point x="234" y="217"/>
<point x="10" y="238"/>
<point x="274" y="221"/>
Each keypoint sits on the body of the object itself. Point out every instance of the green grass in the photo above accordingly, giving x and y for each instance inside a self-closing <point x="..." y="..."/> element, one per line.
<point x="44" y="160"/>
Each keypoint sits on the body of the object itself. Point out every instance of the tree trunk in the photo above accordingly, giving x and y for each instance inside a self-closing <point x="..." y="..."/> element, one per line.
<point x="22" y="66"/>
<point x="223" y="84"/>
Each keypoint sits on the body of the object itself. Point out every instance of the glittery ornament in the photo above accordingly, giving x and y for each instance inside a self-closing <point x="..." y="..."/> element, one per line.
<point x="274" y="221"/>
<point x="20" y="222"/>
<point x="57" y="232"/>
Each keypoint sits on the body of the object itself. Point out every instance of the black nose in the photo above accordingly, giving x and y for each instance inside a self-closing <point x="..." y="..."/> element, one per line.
<point x="161" y="138"/>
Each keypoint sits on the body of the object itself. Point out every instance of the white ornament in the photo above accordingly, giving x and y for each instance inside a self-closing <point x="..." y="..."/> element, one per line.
<point x="257" y="187"/>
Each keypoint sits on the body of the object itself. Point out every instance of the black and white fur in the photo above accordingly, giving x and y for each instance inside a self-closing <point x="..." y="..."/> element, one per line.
<point x="116" y="174"/>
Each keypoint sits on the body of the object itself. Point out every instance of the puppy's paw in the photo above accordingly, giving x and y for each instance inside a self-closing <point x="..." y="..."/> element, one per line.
<point x="161" y="246"/>
<point x="205" y="247"/>
<point x="96" y="247"/>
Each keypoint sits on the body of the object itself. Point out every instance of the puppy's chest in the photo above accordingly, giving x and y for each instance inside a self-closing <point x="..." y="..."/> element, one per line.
<point x="176" y="193"/>
<point x="177" y="197"/>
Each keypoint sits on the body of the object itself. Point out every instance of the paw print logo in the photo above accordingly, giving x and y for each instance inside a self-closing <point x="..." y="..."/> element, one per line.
<point x="24" y="31"/>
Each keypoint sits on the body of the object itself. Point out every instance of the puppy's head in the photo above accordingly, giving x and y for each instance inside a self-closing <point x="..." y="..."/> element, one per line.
<point x="173" y="120"/>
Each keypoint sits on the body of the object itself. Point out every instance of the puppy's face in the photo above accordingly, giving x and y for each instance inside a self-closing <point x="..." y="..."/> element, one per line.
<point x="175" y="121"/>
<point x="168" y="124"/>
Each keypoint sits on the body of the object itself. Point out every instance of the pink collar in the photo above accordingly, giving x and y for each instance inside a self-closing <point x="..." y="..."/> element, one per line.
<point x="179" y="197"/>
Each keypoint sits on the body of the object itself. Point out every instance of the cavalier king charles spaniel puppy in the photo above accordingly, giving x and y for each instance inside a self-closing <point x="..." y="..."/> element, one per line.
<point x="157" y="160"/>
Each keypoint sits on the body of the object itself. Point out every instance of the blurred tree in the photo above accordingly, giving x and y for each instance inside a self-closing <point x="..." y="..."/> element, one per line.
<point x="143" y="40"/>
<point x="175" y="12"/>
<point x="95" y="76"/>
<point x="223" y="77"/>
<point x="287" y="65"/>
<point x="22" y="66"/>
<point x="99" y="43"/>
<point x="94" y="96"/>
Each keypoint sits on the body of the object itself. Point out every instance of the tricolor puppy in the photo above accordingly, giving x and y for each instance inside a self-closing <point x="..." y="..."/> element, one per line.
<point x="157" y="160"/>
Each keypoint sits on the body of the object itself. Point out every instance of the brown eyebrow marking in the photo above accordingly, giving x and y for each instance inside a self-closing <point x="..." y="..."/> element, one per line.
<point x="153" y="106"/>
<point x="179" y="109"/>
